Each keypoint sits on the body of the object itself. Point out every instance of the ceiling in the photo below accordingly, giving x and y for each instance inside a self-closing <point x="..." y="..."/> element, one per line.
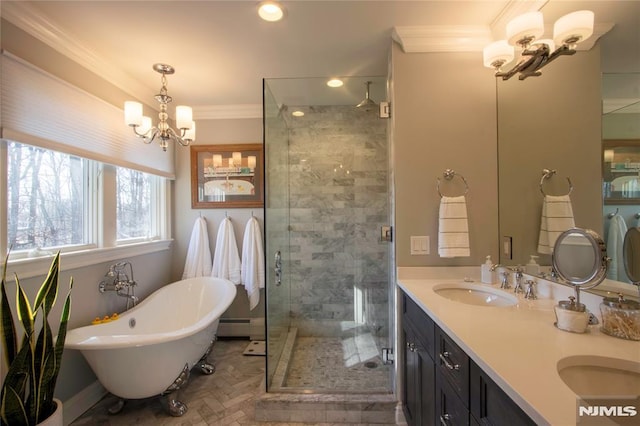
<point x="221" y="50"/>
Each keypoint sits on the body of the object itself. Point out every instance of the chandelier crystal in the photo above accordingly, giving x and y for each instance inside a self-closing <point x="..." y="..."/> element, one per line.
<point x="143" y="127"/>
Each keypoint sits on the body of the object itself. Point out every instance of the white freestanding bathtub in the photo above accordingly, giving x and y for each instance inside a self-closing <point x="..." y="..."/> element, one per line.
<point x="150" y="349"/>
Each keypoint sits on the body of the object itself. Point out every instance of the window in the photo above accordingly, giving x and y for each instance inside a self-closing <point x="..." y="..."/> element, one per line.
<point x="47" y="203"/>
<point x="134" y="204"/>
<point x="53" y="203"/>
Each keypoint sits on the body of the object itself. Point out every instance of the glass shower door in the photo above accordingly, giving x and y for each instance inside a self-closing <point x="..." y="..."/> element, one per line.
<point x="328" y="197"/>
<point x="276" y="231"/>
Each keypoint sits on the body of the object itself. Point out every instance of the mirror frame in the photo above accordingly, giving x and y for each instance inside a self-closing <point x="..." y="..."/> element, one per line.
<point x="599" y="271"/>
<point x="632" y="240"/>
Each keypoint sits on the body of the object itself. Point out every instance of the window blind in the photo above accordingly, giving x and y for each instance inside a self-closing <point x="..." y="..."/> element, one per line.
<point x="43" y="110"/>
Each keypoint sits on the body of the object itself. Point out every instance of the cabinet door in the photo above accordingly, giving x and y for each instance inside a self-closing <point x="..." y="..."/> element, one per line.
<point x="411" y="404"/>
<point x="450" y="409"/>
<point x="419" y="380"/>
<point x="427" y="387"/>
<point x="490" y="405"/>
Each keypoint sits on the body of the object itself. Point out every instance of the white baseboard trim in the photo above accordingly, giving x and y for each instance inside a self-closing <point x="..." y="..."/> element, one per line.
<point x="78" y="404"/>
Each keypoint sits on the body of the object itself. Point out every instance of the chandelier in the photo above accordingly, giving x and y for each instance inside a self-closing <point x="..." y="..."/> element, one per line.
<point x="142" y="125"/>
<point x="525" y="31"/>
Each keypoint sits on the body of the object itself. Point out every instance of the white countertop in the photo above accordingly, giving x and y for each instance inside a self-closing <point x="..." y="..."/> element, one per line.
<point x="517" y="346"/>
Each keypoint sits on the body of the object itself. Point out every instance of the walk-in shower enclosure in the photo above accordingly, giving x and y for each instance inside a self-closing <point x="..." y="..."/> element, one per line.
<point x="327" y="200"/>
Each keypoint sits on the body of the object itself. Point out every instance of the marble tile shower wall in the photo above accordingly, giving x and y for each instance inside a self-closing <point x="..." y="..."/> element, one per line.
<point x="338" y="180"/>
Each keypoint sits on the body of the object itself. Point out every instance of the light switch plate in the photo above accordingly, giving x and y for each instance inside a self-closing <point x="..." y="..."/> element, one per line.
<point x="420" y="245"/>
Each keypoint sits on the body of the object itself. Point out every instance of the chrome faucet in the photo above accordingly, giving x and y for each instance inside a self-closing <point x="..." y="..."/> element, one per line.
<point x="505" y="280"/>
<point x="518" y="276"/>
<point x="116" y="279"/>
<point x="529" y="292"/>
<point x="517" y="273"/>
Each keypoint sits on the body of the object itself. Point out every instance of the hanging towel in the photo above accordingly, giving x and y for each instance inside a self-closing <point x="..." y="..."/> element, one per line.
<point x="252" y="270"/>
<point x="198" y="261"/>
<point x="453" y="232"/>
<point x="226" y="261"/>
<point x="557" y="217"/>
<point x="615" y="241"/>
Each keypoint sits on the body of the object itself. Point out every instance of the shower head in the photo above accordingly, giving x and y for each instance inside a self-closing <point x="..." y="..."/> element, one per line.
<point x="367" y="104"/>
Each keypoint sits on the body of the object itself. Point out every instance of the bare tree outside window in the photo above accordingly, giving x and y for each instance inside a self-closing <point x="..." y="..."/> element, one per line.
<point x="133" y="204"/>
<point x="45" y="198"/>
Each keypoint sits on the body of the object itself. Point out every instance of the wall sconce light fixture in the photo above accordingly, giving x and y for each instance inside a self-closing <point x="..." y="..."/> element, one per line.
<point x="143" y="127"/>
<point x="524" y="32"/>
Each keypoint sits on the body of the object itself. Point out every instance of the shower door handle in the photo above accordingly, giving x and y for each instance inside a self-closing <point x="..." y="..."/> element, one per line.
<point x="278" y="268"/>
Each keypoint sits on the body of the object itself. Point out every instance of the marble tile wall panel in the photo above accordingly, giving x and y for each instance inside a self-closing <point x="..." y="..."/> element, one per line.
<point x="338" y="180"/>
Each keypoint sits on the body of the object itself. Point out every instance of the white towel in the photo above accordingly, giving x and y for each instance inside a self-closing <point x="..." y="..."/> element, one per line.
<point x="226" y="261"/>
<point x="615" y="241"/>
<point x="198" y="261"/>
<point x="453" y="228"/>
<point x="252" y="270"/>
<point x="557" y="217"/>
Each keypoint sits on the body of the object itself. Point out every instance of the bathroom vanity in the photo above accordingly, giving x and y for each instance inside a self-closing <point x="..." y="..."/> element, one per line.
<point x="470" y="364"/>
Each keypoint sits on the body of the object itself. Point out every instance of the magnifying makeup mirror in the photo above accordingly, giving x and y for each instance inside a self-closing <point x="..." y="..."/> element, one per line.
<point x="580" y="258"/>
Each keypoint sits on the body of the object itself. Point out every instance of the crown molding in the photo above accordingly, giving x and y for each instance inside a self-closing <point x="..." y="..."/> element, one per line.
<point x="621" y="106"/>
<point x="442" y="38"/>
<point x="29" y="19"/>
<point x="222" y="112"/>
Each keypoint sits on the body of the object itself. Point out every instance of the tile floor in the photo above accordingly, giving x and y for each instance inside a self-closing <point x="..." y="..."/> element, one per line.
<point x="225" y="398"/>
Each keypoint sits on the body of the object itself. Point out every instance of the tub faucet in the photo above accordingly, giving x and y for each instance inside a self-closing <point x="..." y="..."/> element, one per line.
<point x="116" y="279"/>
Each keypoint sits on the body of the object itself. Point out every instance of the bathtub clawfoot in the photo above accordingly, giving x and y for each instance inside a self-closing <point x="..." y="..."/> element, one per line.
<point x="176" y="408"/>
<point x="205" y="366"/>
<point x="117" y="407"/>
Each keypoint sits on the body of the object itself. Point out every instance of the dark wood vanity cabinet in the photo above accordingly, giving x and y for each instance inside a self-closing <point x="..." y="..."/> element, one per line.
<point x="442" y="385"/>
<point x="452" y="381"/>
<point x="419" y="370"/>
<point x="490" y="405"/>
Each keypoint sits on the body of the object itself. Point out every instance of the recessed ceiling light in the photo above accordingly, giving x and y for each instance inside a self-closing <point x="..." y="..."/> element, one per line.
<point x="271" y="11"/>
<point x="297" y="113"/>
<point x="335" y="82"/>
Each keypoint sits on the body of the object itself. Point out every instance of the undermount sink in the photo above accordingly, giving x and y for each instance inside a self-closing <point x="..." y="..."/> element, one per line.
<point x="475" y="294"/>
<point x="597" y="376"/>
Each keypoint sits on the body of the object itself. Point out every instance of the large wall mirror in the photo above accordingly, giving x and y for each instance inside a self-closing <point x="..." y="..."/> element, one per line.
<point x="556" y="122"/>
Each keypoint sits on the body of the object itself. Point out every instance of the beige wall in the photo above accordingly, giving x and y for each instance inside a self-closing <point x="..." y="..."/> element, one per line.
<point x="445" y="117"/>
<point x="554" y="122"/>
<point x="213" y="132"/>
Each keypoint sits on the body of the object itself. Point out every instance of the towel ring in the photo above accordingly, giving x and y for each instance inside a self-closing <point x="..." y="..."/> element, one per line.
<point x="612" y="214"/>
<point x="449" y="174"/>
<point x="547" y="174"/>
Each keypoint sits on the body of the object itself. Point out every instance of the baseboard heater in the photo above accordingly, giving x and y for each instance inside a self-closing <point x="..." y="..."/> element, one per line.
<point x="253" y="328"/>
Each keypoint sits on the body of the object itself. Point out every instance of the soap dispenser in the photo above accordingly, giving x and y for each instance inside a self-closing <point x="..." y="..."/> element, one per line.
<point x="487" y="274"/>
<point x="532" y="268"/>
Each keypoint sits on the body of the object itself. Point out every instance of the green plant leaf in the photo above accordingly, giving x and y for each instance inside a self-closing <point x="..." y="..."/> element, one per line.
<point x="28" y="388"/>
<point x="49" y="289"/>
<point x="12" y="411"/>
<point x="9" y="336"/>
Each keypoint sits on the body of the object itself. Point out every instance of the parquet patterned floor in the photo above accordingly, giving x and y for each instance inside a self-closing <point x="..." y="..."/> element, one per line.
<point x="226" y="397"/>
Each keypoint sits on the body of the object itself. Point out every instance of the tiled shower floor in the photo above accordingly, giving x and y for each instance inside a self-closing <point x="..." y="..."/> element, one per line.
<point x="337" y="364"/>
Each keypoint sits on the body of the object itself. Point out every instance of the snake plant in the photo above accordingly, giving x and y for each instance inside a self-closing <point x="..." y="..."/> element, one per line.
<point x="34" y="363"/>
